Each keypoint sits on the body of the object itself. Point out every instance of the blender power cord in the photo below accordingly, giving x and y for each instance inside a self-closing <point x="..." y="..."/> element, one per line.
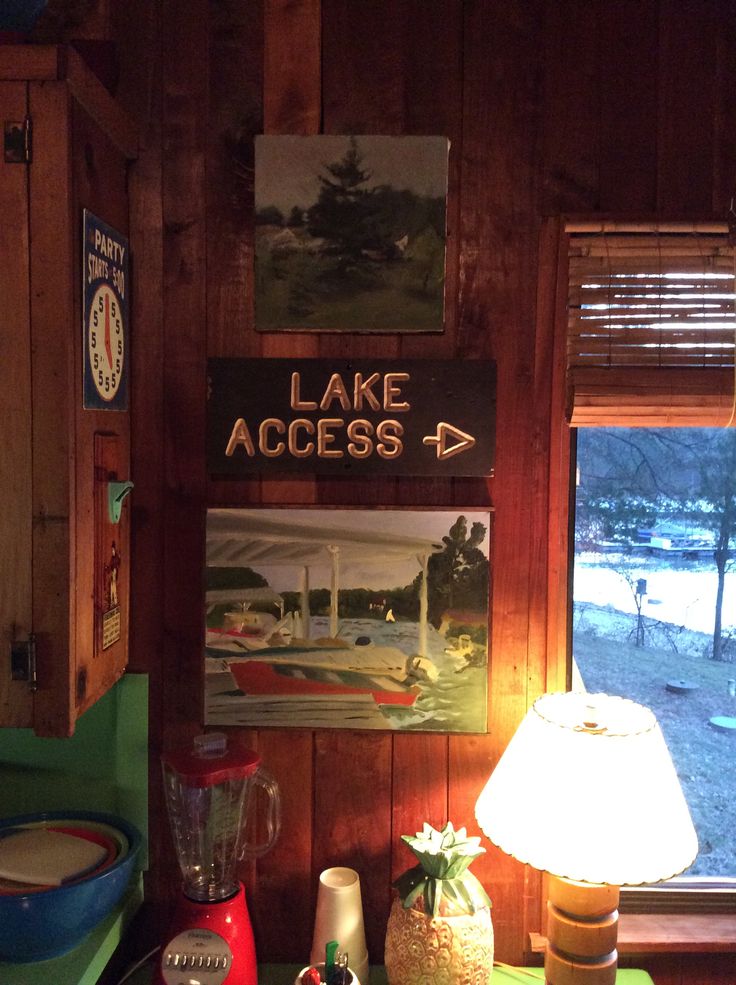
<point x="139" y="964"/>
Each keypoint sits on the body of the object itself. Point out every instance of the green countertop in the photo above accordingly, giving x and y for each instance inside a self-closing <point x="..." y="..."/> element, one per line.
<point x="284" y="974"/>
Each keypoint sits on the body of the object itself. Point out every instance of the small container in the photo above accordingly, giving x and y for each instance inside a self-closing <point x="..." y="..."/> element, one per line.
<point x="350" y="977"/>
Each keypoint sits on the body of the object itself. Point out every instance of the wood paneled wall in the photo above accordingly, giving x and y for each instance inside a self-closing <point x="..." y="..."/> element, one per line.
<point x="551" y="106"/>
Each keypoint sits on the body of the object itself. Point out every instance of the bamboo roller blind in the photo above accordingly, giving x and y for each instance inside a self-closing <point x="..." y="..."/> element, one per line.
<point x="650" y="335"/>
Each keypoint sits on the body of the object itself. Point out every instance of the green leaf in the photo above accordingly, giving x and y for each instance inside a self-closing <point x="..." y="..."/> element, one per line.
<point x="449" y="891"/>
<point x="431" y="898"/>
<point x="420" y="888"/>
<point x="408" y="880"/>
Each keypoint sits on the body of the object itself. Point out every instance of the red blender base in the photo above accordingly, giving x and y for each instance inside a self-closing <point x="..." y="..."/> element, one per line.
<point x="211" y="944"/>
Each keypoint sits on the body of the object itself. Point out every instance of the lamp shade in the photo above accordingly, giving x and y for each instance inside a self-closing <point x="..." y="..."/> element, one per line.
<point x="587" y="790"/>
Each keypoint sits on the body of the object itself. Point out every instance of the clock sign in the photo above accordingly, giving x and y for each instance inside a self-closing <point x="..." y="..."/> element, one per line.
<point x="105" y="343"/>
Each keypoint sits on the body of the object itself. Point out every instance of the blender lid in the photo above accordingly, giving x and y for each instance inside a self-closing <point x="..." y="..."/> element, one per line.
<point x="211" y="760"/>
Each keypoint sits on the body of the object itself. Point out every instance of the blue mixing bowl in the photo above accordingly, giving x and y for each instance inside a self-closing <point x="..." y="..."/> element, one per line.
<point x="48" y="922"/>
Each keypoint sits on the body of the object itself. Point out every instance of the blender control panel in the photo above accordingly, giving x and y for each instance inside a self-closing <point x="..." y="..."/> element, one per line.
<point x="196" y="957"/>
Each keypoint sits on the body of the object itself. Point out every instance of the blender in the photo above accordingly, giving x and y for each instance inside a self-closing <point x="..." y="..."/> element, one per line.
<point x="210" y="789"/>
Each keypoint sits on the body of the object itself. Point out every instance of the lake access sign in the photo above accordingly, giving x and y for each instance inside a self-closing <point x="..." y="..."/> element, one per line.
<point x="351" y="416"/>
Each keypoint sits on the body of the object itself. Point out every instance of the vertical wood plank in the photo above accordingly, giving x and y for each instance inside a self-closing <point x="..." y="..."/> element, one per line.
<point x="16" y="706"/>
<point x="286" y="883"/>
<point x="724" y="177"/>
<point x="236" y="116"/>
<point x="687" y="57"/>
<point x="184" y="105"/>
<point x="432" y="66"/>
<point x="420" y="763"/>
<point x="471" y="760"/>
<point x="496" y="318"/>
<point x="53" y="374"/>
<point x="292" y="83"/>
<point x="548" y="492"/>
<point x="137" y="31"/>
<point x="354" y="830"/>
<point x="363" y="71"/>
<point x="570" y="138"/>
<point x="291" y="66"/>
<point x="184" y="127"/>
<point x="628" y="34"/>
<point x="552" y="584"/>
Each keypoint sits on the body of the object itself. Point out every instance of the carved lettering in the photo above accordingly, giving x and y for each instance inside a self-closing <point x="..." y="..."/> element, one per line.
<point x="335" y="390"/>
<point x="325" y="437"/>
<point x="362" y="388"/>
<point x="362" y="394"/>
<point x="240" y="435"/>
<point x="303" y="451"/>
<point x="360" y="444"/>
<point x="389" y="439"/>
<point x="391" y="392"/>
<point x="268" y="424"/>
<point x="296" y="402"/>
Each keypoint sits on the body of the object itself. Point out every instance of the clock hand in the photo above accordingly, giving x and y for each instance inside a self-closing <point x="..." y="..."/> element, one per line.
<point x="108" y="347"/>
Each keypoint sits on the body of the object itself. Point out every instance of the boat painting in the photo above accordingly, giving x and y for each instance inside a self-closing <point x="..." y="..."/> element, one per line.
<point x="360" y="619"/>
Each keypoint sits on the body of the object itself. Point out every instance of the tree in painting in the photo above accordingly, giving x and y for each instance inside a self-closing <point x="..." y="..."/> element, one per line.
<point x="458" y="575"/>
<point x="344" y="214"/>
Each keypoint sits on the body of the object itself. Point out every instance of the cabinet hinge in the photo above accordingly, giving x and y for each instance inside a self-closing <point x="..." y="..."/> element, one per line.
<point x="17" y="141"/>
<point x="23" y="661"/>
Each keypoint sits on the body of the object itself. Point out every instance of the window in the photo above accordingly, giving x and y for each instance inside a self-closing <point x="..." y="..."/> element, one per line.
<point x="649" y="368"/>
<point x="654" y="604"/>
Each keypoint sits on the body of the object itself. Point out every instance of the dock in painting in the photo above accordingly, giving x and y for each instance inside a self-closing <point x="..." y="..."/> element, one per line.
<point x="347" y="619"/>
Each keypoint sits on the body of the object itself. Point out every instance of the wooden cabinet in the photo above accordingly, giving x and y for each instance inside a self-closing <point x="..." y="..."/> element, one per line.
<point x="63" y="561"/>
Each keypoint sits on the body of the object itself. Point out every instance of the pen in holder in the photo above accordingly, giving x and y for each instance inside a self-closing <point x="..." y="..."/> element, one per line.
<point x="348" y="976"/>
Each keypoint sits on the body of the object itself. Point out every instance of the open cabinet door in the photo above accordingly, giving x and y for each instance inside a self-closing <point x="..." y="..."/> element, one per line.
<point x="16" y="699"/>
<point x="65" y="546"/>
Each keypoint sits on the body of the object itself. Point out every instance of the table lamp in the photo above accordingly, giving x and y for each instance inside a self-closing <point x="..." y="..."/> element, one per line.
<point x="586" y="791"/>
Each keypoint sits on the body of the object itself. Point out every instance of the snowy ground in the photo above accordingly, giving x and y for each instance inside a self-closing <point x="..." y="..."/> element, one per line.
<point x="682" y="593"/>
<point x="675" y="649"/>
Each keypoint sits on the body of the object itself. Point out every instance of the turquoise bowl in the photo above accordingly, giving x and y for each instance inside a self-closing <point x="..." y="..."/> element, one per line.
<point x="47" y="922"/>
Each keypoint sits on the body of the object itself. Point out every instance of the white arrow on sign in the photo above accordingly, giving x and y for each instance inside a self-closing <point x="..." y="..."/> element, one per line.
<point x="463" y="441"/>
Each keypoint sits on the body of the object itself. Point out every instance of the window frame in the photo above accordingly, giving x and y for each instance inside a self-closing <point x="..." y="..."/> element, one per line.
<point x="682" y="895"/>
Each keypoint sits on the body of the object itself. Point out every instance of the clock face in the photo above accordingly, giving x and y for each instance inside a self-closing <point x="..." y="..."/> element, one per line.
<point x="106" y="342"/>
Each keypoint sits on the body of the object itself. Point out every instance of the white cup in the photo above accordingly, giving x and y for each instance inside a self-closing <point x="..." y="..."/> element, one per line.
<point x="339" y="917"/>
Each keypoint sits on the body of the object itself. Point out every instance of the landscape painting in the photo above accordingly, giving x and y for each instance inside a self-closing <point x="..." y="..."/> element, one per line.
<point x="350" y="233"/>
<point x="346" y="618"/>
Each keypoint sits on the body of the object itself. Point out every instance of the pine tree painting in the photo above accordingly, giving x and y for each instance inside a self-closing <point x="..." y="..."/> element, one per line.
<point x="350" y="233"/>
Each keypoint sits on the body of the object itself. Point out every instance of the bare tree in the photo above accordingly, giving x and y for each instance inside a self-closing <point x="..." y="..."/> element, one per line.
<point x="634" y="476"/>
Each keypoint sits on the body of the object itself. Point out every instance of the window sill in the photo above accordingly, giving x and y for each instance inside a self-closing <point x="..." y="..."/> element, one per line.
<point x="671" y="933"/>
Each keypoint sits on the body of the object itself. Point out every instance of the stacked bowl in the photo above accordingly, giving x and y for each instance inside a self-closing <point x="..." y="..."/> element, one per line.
<point x="61" y="873"/>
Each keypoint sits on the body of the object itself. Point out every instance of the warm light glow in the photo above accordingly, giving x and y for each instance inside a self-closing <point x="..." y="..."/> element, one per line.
<point x="587" y="790"/>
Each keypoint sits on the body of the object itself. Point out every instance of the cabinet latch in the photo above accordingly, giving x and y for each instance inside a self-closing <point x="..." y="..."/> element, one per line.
<point x="17" y="141"/>
<point x="23" y="661"/>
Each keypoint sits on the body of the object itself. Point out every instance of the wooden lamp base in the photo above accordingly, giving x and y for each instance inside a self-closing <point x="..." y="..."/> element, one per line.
<point x="582" y="926"/>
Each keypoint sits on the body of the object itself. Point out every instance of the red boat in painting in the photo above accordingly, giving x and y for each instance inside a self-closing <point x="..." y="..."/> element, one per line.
<point x="258" y="677"/>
